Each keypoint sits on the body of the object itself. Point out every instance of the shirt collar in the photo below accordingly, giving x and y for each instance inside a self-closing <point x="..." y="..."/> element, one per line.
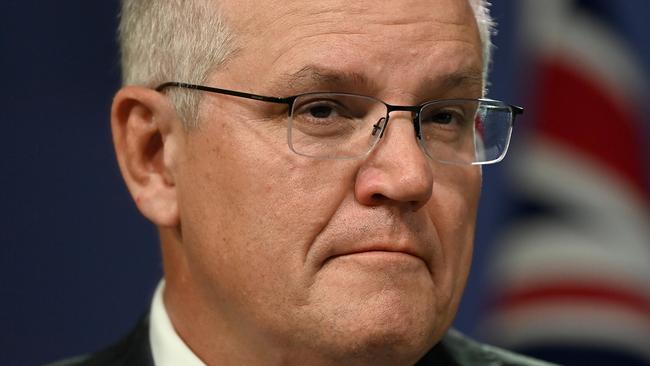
<point x="167" y="347"/>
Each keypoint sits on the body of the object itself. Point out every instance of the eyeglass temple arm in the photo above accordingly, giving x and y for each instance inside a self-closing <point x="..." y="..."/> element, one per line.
<point x="516" y="111"/>
<point x="224" y="91"/>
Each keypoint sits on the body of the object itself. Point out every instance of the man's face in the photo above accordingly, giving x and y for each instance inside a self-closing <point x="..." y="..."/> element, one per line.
<point x="339" y="257"/>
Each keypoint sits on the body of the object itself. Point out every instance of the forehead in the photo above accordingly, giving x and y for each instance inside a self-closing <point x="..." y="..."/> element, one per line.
<point x="382" y="41"/>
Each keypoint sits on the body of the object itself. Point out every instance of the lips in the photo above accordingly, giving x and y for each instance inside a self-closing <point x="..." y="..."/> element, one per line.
<point x="408" y="248"/>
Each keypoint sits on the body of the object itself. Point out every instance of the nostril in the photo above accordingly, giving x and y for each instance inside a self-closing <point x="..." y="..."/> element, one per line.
<point x="416" y="205"/>
<point x="378" y="198"/>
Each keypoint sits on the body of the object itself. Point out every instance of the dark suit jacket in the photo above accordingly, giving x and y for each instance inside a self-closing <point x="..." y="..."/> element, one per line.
<point x="454" y="350"/>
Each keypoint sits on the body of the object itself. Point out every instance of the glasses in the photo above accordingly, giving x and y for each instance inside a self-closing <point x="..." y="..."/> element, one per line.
<point x="349" y="126"/>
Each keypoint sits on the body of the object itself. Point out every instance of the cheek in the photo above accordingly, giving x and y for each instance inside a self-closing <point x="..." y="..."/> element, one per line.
<point x="453" y="209"/>
<point x="250" y="215"/>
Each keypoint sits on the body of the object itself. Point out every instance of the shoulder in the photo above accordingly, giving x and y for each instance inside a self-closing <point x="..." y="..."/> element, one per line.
<point x="134" y="349"/>
<point x="468" y="352"/>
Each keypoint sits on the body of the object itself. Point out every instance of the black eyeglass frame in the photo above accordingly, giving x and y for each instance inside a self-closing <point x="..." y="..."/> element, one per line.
<point x="289" y="101"/>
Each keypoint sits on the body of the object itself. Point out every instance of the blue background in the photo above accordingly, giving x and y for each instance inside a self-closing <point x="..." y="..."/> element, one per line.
<point x="78" y="263"/>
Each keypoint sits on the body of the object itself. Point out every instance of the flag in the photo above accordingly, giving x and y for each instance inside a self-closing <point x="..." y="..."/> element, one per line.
<point x="569" y="277"/>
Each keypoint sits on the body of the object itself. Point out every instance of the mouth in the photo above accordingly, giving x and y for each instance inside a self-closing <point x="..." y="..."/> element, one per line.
<point x="379" y="255"/>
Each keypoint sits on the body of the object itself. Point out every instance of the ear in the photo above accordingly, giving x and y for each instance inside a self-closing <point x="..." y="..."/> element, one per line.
<point x="147" y="134"/>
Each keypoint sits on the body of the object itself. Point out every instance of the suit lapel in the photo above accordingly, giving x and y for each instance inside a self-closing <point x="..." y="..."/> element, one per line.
<point x="133" y="350"/>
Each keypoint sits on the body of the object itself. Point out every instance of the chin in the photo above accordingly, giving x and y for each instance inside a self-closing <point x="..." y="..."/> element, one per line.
<point x="390" y="328"/>
<point x="365" y="314"/>
<point x="383" y="344"/>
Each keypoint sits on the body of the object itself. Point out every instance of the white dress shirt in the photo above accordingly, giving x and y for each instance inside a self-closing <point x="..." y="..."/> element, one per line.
<point x="167" y="348"/>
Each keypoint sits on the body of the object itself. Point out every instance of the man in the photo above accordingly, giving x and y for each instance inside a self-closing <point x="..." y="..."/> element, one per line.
<point x="309" y="223"/>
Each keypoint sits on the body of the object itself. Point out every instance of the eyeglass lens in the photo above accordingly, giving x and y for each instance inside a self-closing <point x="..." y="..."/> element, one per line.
<point x="339" y="126"/>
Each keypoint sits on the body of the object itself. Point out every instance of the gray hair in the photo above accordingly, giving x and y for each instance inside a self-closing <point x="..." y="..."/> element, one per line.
<point x="178" y="40"/>
<point x="486" y="28"/>
<point x="172" y="40"/>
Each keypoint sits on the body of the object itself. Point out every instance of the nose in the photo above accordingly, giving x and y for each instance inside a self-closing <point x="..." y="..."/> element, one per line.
<point x="397" y="170"/>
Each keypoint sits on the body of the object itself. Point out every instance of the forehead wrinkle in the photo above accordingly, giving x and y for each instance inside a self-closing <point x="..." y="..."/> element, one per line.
<point x="330" y="30"/>
<point x="467" y="79"/>
<point x="261" y="16"/>
<point x="349" y="19"/>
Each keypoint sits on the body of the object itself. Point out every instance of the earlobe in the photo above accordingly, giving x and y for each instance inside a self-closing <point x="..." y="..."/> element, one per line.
<point x="146" y="132"/>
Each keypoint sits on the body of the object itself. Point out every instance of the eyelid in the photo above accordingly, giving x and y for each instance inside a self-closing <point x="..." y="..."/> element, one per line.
<point x="316" y="101"/>
<point x="429" y="110"/>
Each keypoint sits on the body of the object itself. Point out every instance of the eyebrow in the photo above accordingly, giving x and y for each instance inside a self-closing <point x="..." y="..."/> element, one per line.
<point x="311" y="76"/>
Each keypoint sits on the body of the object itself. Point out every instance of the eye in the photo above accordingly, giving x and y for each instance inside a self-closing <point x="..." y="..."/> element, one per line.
<point x="442" y="117"/>
<point x="320" y="111"/>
